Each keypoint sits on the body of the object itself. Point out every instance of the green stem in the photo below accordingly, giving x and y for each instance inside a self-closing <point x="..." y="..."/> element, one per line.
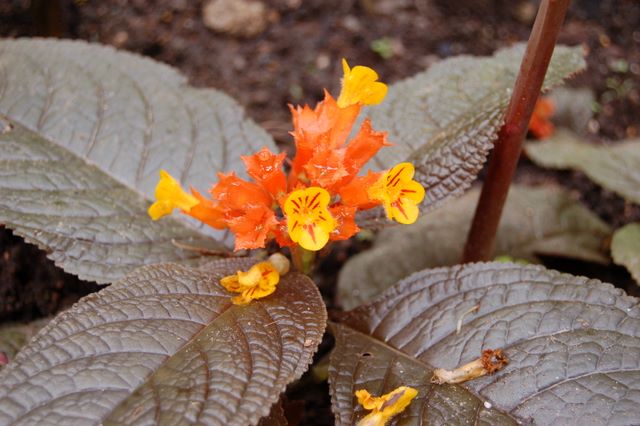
<point x="506" y="152"/>
<point x="303" y="259"/>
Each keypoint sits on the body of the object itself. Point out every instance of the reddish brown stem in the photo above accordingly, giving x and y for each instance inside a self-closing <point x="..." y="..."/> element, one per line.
<point x="506" y="152"/>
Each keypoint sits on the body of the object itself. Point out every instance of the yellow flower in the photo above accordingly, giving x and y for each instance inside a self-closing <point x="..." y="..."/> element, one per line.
<point x="359" y="86"/>
<point x="398" y="193"/>
<point x="258" y="282"/>
<point x="169" y="195"/>
<point x="309" y="222"/>
<point x="386" y="406"/>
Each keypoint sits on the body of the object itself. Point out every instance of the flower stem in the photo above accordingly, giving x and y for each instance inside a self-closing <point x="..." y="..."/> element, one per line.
<point x="506" y="152"/>
<point x="303" y="259"/>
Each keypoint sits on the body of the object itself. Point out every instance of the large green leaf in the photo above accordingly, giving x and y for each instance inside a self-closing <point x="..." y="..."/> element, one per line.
<point x="573" y="346"/>
<point x="445" y="119"/>
<point x="625" y="248"/>
<point x="535" y="221"/>
<point x="84" y="132"/>
<point x="615" y="167"/>
<point x="164" y="345"/>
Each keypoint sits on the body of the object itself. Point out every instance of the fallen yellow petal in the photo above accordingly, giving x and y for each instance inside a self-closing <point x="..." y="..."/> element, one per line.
<point x="384" y="407"/>
<point x="257" y="282"/>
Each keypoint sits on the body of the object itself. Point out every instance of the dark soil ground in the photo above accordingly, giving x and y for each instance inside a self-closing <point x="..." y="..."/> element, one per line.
<point x="296" y="56"/>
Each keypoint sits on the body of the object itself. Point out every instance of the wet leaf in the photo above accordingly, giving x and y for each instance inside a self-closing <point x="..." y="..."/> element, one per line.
<point x="625" y="248"/>
<point x="84" y="130"/>
<point x="615" y="167"/>
<point x="445" y="119"/>
<point x="573" y="347"/>
<point x="164" y="345"/>
<point x="536" y="221"/>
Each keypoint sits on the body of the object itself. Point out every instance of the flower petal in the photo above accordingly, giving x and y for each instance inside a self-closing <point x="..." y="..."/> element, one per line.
<point x="258" y="282"/>
<point x="265" y="168"/>
<point x="309" y="221"/>
<point x="169" y="196"/>
<point x="360" y="86"/>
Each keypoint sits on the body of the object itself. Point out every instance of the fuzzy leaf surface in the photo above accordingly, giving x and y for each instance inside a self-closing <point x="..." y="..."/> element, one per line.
<point x="444" y="120"/>
<point x="535" y="221"/>
<point x="84" y="130"/>
<point x="166" y="346"/>
<point x="625" y="248"/>
<point x="573" y="346"/>
<point x="615" y="167"/>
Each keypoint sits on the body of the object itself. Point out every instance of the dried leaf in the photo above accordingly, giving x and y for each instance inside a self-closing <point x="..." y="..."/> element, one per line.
<point x="535" y="221"/>
<point x="573" y="347"/>
<point x="164" y="345"/>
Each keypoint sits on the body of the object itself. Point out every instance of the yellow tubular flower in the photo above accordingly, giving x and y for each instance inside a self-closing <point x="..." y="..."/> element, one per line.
<point x="386" y="406"/>
<point x="169" y="195"/>
<point x="399" y="193"/>
<point x="309" y="222"/>
<point x="360" y="86"/>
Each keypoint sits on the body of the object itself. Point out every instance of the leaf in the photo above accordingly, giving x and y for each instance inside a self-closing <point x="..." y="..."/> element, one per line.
<point x="572" y="344"/>
<point x="164" y="345"/>
<point x="573" y="108"/>
<point x="276" y="416"/>
<point x="536" y="221"/>
<point x="15" y="335"/>
<point x="445" y="119"/>
<point x="625" y="248"/>
<point x="615" y="167"/>
<point x="84" y="130"/>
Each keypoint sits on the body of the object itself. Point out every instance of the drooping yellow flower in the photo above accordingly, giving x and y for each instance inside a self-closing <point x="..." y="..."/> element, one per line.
<point x="309" y="222"/>
<point x="258" y="282"/>
<point x="386" y="406"/>
<point x="360" y="86"/>
<point x="169" y="196"/>
<point x="398" y="193"/>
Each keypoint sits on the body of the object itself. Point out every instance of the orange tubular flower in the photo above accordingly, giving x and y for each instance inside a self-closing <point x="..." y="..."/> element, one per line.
<point x="319" y="200"/>
<point x="309" y="222"/>
<point x="399" y="193"/>
<point x="540" y="125"/>
<point x="265" y="168"/>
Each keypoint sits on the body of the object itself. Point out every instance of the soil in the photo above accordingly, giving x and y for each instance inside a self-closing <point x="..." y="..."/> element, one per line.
<point x="295" y="57"/>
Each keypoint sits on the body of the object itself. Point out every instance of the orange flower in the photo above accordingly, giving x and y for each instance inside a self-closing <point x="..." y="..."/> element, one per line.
<point x="399" y="193"/>
<point x="346" y="226"/>
<point x="309" y="222"/>
<point x="265" y="168"/>
<point x="356" y="192"/>
<point x="253" y="226"/>
<point x="207" y="211"/>
<point x="540" y="125"/>
<point x="236" y="194"/>
<point x="384" y="407"/>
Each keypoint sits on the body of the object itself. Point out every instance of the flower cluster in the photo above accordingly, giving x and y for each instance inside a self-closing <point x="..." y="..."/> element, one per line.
<point x="318" y="200"/>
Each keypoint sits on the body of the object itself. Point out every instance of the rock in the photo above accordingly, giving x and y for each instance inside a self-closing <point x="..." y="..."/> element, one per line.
<point x="242" y="18"/>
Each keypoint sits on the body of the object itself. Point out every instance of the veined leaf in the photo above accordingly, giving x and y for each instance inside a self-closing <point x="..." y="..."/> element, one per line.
<point x="84" y="130"/>
<point x="445" y="119"/>
<point x="625" y="248"/>
<point x="165" y="345"/>
<point x="14" y="336"/>
<point x="535" y="221"/>
<point x="573" y="347"/>
<point x="615" y="167"/>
